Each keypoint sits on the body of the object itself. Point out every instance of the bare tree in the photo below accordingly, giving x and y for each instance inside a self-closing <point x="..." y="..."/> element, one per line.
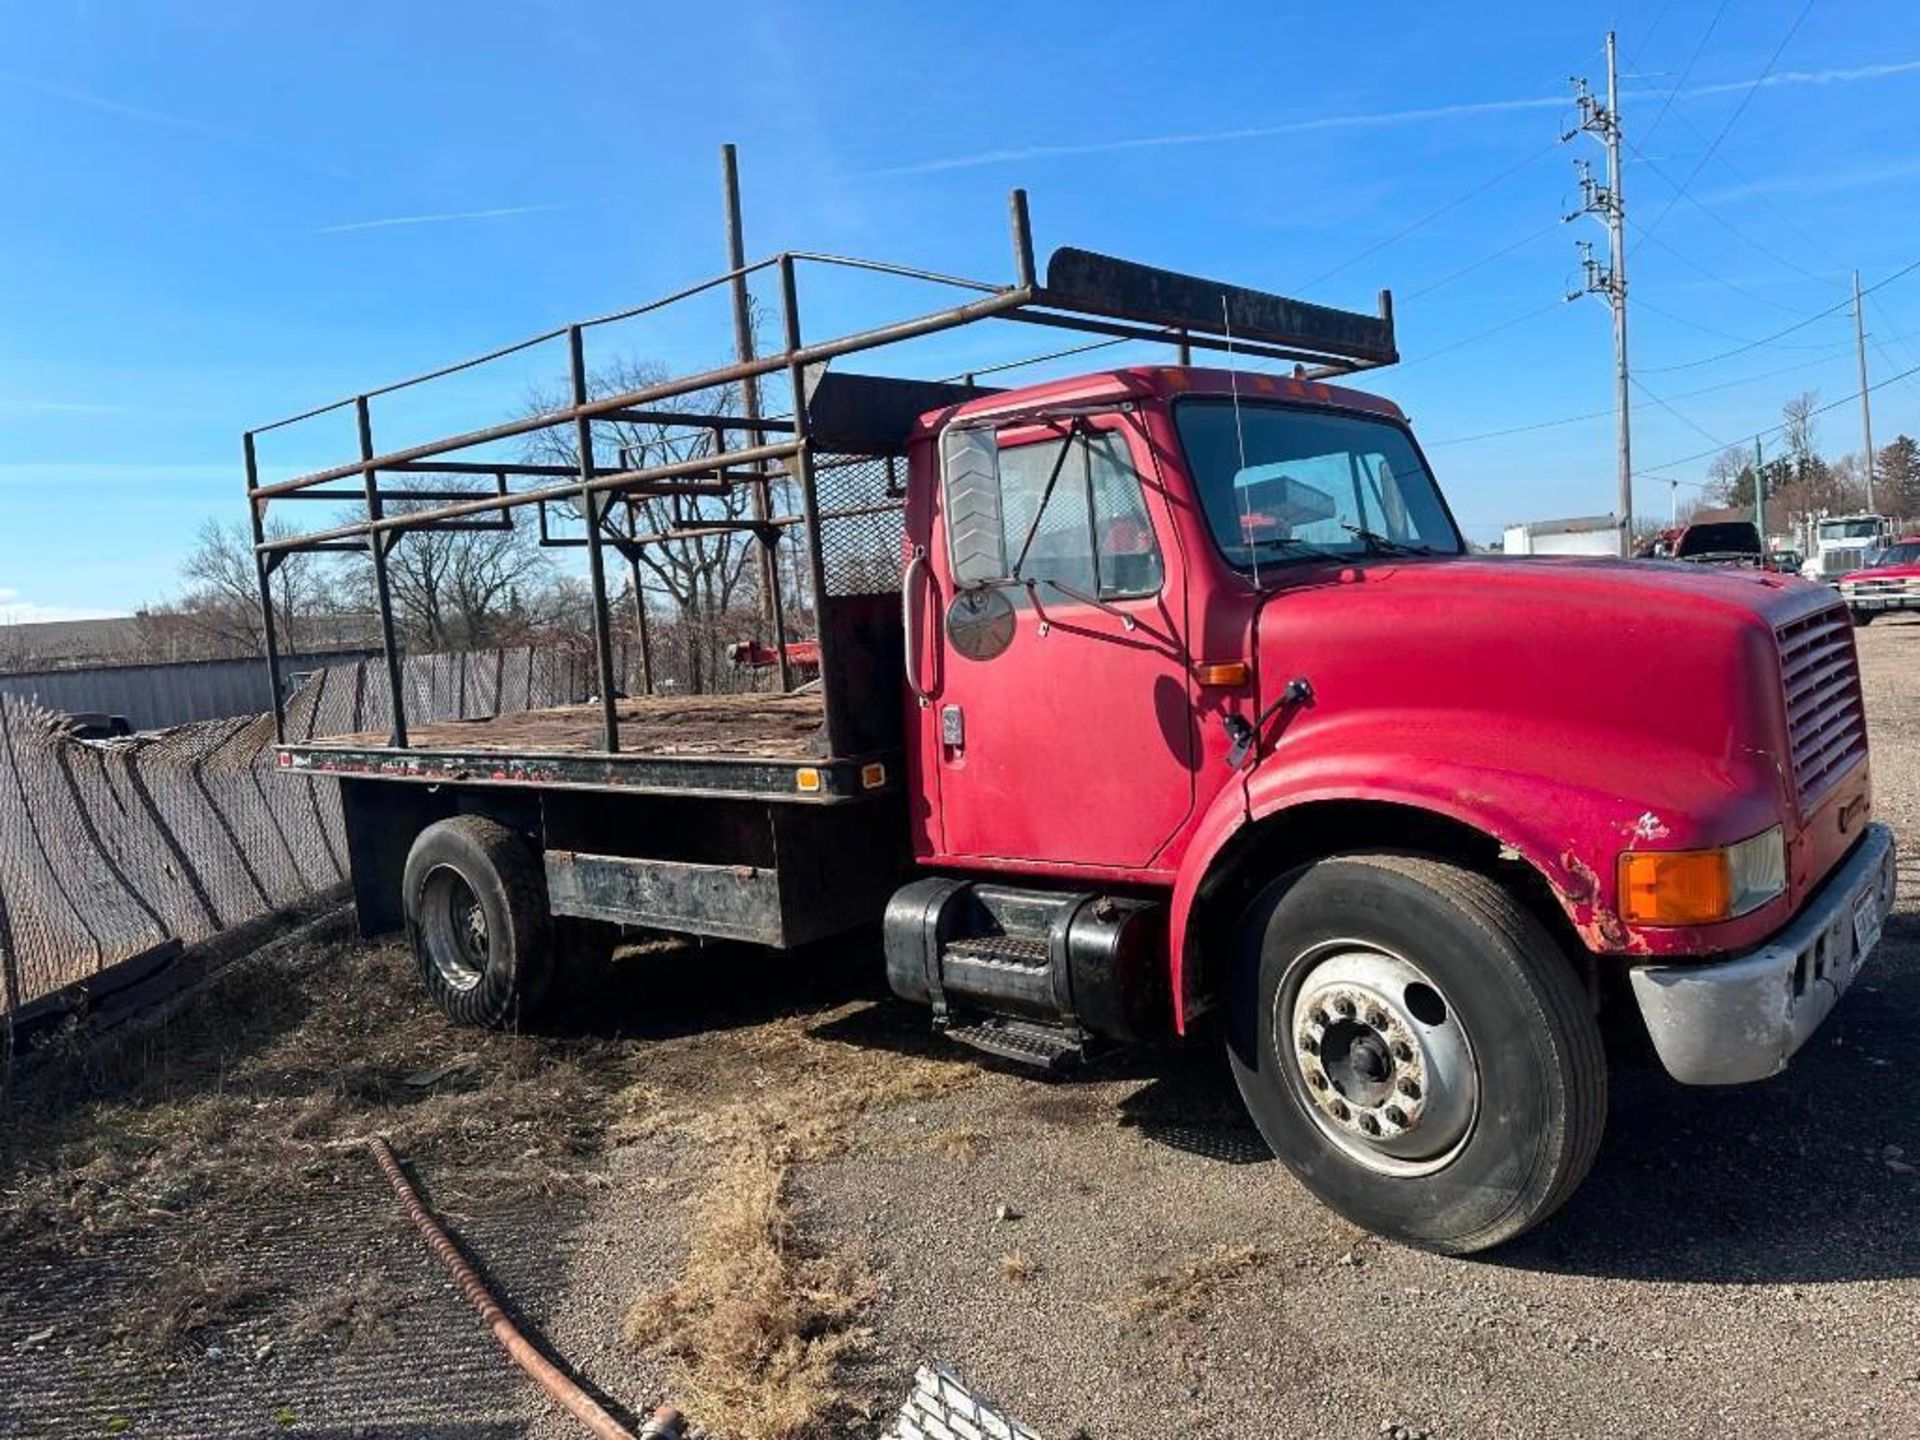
<point x="1730" y="477"/>
<point x="455" y="589"/>
<point x="218" y="612"/>
<point x="1799" y="429"/>
<point x="704" y="576"/>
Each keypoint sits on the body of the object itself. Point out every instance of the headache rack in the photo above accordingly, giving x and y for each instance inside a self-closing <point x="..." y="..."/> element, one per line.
<point x="847" y="423"/>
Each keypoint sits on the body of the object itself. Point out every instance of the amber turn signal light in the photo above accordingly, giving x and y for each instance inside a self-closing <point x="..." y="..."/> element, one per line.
<point x="1675" y="887"/>
<point x="1223" y="674"/>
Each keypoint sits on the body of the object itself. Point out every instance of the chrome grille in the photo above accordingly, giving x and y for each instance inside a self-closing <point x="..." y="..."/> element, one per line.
<point x="1826" y="720"/>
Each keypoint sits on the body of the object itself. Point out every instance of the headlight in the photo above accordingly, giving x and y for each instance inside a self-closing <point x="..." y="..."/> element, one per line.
<point x="1699" y="887"/>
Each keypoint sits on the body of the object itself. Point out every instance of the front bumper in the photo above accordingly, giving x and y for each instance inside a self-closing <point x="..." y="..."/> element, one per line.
<point x="1873" y="601"/>
<point x="1726" y="1022"/>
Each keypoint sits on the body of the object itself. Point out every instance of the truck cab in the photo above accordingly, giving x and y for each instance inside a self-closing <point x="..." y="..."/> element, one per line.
<point x="1166" y="700"/>
<point x="1209" y="647"/>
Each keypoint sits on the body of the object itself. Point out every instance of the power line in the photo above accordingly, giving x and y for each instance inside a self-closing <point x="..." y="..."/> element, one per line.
<point x="1714" y="276"/>
<point x="1746" y="99"/>
<point x="1832" y="354"/>
<point x="1784" y="216"/>
<point x="1484" y="260"/>
<point x="1652" y="473"/>
<point x="1790" y="330"/>
<point x="1726" y="224"/>
<point x="1703" y="433"/>
<point x="1482" y="335"/>
<point x="1687" y="70"/>
<point x="1678" y="319"/>
<point x="1433" y="215"/>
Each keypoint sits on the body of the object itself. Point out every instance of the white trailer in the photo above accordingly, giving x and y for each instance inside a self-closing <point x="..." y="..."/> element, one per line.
<point x="1588" y="535"/>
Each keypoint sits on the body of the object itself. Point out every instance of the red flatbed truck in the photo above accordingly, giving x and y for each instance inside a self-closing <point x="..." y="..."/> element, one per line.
<point x="1181" y="693"/>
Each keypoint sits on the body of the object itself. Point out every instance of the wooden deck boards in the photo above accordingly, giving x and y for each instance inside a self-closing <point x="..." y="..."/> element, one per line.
<point x="774" y="727"/>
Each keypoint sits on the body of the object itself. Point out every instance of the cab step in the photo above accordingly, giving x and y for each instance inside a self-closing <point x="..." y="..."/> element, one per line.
<point x="1029" y="975"/>
<point x="1052" y="1048"/>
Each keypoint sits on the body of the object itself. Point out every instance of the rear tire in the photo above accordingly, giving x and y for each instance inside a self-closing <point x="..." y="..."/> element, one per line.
<point x="475" y="895"/>
<point x="1416" y="1048"/>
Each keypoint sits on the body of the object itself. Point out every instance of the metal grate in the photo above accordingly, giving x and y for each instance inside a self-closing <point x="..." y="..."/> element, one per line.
<point x="863" y="522"/>
<point x="1826" y="718"/>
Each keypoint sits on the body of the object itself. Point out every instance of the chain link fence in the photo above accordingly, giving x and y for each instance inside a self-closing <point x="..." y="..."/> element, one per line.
<point x="110" y="848"/>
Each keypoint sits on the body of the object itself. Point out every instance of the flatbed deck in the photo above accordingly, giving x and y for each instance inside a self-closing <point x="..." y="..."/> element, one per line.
<point x="768" y="745"/>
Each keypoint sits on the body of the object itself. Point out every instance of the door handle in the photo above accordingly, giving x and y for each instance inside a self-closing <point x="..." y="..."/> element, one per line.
<point x="917" y="561"/>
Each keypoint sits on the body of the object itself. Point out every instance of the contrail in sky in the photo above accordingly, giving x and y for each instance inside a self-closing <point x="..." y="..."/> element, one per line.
<point x="147" y="116"/>
<point x="439" y="218"/>
<point x="1374" y="119"/>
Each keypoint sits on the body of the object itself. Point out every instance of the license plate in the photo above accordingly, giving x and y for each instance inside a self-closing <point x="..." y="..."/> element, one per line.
<point x="1866" y="923"/>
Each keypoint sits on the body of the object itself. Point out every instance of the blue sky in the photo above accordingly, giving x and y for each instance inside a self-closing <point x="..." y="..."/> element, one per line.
<point x="217" y="214"/>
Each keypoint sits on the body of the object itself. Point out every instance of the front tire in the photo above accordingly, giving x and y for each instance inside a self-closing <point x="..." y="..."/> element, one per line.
<point x="1862" y="617"/>
<point x="476" y="906"/>
<point x="1416" y="1048"/>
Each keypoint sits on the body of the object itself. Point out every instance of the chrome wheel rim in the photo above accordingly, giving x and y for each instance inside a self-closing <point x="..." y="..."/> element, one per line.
<point x="454" y="929"/>
<point x="1378" y="1057"/>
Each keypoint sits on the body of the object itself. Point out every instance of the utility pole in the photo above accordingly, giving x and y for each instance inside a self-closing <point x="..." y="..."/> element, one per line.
<point x="1602" y="120"/>
<point x="1866" y="400"/>
<point x="766" y="536"/>
<point x="1759" y="493"/>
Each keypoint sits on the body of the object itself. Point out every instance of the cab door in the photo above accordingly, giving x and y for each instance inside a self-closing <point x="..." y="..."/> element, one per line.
<point x="1061" y="717"/>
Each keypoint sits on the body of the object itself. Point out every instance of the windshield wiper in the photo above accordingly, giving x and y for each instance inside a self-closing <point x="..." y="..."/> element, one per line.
<point x="1305" y="547"/>
<point x="1379" y="544"/>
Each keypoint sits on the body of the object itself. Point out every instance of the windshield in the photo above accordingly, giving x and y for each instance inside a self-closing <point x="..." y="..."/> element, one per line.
<point x="1907" y="552"/>
<point x="1286" y="484"/>
<point x="1849" y="529"/>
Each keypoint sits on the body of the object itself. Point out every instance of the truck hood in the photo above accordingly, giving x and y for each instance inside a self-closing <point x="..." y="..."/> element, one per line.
<point x="1596" y="703"/>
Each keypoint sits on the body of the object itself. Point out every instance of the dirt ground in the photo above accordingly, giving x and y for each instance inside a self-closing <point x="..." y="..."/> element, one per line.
<point x="718" y="1178"/>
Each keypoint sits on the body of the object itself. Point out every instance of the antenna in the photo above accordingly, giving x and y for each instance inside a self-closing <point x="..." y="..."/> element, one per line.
<point x="1240" y="436"/>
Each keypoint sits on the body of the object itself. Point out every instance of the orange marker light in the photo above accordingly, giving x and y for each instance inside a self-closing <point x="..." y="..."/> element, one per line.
<point x="806" y="779"/>
<point x="1675" y="887"/>
<point x="873" y="776"/>
<point x="1225" y="674"/>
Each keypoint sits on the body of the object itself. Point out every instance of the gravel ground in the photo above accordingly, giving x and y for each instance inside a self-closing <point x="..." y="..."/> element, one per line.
<point x="1108" y="1256"/>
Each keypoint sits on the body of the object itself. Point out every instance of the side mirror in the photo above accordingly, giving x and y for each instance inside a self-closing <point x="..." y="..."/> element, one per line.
<point x="976" y="534"/>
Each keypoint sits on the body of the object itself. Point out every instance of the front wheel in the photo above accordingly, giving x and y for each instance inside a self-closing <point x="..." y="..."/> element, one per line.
<point x="1416" y="1048"/>
<point x="1862" y="617"/>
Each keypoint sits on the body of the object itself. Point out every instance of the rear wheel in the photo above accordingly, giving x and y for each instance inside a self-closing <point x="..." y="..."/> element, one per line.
<point x="1416" y="1048"/>
<point x="476" y="907"/>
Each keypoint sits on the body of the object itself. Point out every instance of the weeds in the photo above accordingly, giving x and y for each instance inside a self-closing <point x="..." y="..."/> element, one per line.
<point x="759" y="1326"/>
<point x="1185" y="1289"/>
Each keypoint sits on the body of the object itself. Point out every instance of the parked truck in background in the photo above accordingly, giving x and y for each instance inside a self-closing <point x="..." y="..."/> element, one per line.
<point x="1586" y="535"/>
<point x="1842" y="543"/>
<point x="1889" y="582"/>
<point x="1181" y="709"/>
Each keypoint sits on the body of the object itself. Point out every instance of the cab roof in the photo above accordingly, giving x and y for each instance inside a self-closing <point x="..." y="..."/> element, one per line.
<point x="1164" y="383"/>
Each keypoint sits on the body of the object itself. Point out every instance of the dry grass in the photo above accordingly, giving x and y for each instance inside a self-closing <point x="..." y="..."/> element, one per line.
<point x="262" y="1091"/>
<point x="759" y="1327"/>
<point x="961" y="1144"/>
<point x="357" y="1310"/>
<point x="185" y="1298"/>
<point x="1183" y="1290"/>
<point x="1017" y="1266"/>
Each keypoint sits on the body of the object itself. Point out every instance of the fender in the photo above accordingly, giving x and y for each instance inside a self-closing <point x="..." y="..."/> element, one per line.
<point x="1569" y="830"/>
